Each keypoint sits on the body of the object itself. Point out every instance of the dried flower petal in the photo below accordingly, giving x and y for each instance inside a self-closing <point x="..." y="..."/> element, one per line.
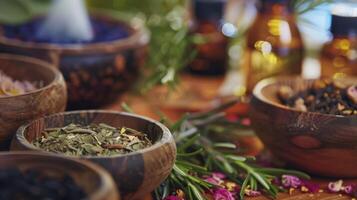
<point x="335" y="186"/>
<point x="252" y="193"/>
<point x="172" y="197"/>
<point x="222" y="194"/>
<point x="348" y="189"/>
<point x="312" y="187"/>
<point x="290" y="181"/>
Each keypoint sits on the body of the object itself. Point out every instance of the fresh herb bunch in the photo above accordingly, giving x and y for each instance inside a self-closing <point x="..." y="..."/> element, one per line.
<point x="198" y="155"/>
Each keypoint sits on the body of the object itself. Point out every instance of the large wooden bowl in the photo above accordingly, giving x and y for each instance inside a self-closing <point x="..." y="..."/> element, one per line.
<point x="95" y="181"/>
<point x="137" y="173"/>
<point x="95" y="73"/>
<point x="321" y="144"/>
<point x="17" y="110"/>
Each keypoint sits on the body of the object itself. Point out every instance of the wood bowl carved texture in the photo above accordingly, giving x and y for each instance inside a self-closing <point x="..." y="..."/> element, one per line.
<point x="95" y="181"/>
<point x="137" y="173"/>
<point x="321" y="144"/>
<point x="18" y="110"/>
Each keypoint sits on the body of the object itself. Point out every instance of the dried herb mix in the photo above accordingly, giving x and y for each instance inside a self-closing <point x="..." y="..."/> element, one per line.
<point x="92" y="140"/>
<point x="11" y="87"/>
<point x="329" y="97"/>
<point x="33" y="185"/>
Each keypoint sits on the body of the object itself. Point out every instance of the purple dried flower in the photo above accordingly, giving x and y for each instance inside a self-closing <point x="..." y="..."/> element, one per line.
<point x="335" y="186"/>
<point x="172" y="197"/>
<point x="289" y="181"/>
<point x="222" y="194"/>
<point x="252" y="193"/>
<point x="212" y="180"/>
<point x="312" y="187"/>
<point x="218" y="175"/>
<point x="348" y="189"/>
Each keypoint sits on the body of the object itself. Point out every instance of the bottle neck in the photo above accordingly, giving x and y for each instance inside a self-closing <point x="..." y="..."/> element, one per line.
<point x="275" y="8"/>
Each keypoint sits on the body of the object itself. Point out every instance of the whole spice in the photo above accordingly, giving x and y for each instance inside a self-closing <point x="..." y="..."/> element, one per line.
<point x="33" y="185"/>
<point x="92" y="140"/>
<point x="11" y="87"/>
<point x="323" y="97"/>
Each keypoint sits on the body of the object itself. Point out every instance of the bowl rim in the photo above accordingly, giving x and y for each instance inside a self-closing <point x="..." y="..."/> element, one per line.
<point x="106" y="181"/>
<point x="138" y="37"/>
<point x="257" y="93"/>
<point x="41" y="64"/>
<point x="166" y="134"/>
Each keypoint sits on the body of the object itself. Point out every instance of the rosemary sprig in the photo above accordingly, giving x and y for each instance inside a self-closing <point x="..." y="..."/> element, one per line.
<point x="198" y="155"/>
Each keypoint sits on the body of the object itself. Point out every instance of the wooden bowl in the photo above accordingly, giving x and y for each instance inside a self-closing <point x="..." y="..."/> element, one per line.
<point x="320" y="144"/>
<point x="95" y="181"/>
<point x="95" y="73"/>
<point x="17" y="110"/>
<point x="137" y="173"/>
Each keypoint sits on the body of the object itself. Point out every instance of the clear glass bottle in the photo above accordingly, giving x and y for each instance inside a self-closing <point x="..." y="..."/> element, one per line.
<point x="211" y="58"/>
<point x="274" y="44"/>
<point x="339" y="56"/>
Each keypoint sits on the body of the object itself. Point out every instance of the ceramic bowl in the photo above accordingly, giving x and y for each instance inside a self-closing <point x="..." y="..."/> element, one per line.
<point x="17" y="110"/>
<point x="95" y="73"/>
<point x="320" y="144"/>
<point x="95" y="181"/>
<point x="137" y="173"/>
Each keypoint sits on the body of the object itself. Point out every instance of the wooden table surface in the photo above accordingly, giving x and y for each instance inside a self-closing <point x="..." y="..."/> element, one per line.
<point x="194" y="94"/>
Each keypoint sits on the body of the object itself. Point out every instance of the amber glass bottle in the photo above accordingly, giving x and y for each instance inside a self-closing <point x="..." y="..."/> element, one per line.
<point x="274" y="45"/>
<point x="339" y="56"/>
<point x="211" y="58"/>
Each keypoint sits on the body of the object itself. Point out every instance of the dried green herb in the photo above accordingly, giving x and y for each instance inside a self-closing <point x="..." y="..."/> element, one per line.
<point x="92" y="140"/>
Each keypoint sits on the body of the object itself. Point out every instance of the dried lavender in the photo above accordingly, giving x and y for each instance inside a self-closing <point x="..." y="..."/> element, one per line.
<point x="11" y="87"/>
<point x="92" y="140"/>
<point x="323" y="97"/>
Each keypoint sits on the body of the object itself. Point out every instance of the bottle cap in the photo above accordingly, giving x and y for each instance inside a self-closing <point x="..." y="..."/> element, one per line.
<point x="211" y="10"/>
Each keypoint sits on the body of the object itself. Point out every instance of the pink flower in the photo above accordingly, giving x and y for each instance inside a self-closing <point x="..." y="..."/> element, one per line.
<point x="289" y="181"/>
<point x="218" y="175"/>
<point x="172" y="197"/>
<point x="222" y="194"/>
<point x="246" y="121"/>
<point x="212" y="180"/>
<point x="335" y="186"/>
<point x="216" y="178"/>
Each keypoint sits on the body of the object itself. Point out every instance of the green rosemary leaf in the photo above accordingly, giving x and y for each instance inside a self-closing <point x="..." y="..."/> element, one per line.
<point x="279" y="172"/>
<point x="196" y="192"/>
<point x="244" y="186"/>
<point x="126" y="108"/>
<point x="190" y="153"/>
<point x="188" y="143"/>
<point x="256" y="175"/>
<point x="236" y="158"/>
<point x="190" y="165"/>
<point x="225" y="145"/>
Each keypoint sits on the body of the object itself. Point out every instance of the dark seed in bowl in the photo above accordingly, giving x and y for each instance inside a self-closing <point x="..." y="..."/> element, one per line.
<point x="324" y="97"/>
<point x="34" y="185"/>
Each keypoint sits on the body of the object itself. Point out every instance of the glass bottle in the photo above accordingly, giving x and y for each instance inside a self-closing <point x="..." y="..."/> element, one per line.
<point x="274" y="44"/>
<point x="211" y="58"/>
<point x="339" y="56"/>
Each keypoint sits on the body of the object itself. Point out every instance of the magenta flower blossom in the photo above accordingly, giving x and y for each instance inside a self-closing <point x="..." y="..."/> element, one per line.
<point x="312" y="187"/>
<point x="289" y="181"/>
<point x="216" y="178"/>
<point x="222" y="194"/>
<point x="335" y="186"/>
<point x="212" y="180"/>
<point x="172" y="197"/>
<point x="218" y="175"/>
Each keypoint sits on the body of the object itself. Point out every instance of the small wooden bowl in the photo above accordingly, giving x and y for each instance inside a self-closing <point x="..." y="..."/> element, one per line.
<point x="95" y="181"/>
<point x="17" y="110"/>
<point x="95" y="73"/>
<point x="320" y="144"/>
<point x="137" y="173"/>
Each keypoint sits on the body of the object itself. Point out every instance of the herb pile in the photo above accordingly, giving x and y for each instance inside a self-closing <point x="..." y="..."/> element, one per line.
<point x="92" y="140"/>
<point x="32" y="185"/>
<point x="323" y="97"/>
<point x="11" y="87"/>
<point x="202" y="163"/>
